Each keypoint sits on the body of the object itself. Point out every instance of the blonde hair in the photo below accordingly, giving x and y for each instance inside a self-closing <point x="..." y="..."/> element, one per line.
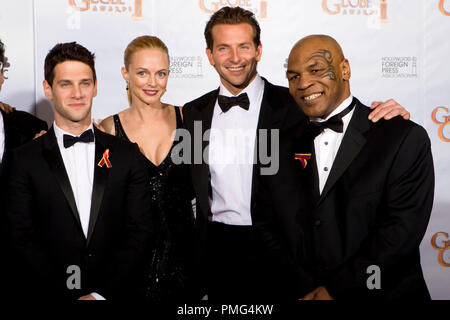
<point x="140" y="43"/>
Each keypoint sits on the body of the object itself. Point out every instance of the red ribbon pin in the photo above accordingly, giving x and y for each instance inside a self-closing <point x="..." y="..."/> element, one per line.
<point x="303" y="157"/>
<point x="105" y="160"/>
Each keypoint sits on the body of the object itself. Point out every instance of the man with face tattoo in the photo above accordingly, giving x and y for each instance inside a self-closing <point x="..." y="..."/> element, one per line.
<point x="352" y="199"/>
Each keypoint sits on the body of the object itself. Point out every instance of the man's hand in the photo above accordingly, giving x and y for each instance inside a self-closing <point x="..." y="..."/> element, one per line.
<point x="6" y="107"/>
<point x="387" y="110"/>
<point x="88" y="297"/>
<point x="320" y="293"/>
<point x="39" y="134"/>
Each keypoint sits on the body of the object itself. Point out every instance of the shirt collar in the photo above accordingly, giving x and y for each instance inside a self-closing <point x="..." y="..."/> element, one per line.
<point x="2" y="137"/>
<point x="253" y="90"/>
<point x="59" y="133"/>
<point x="344" y="104"/>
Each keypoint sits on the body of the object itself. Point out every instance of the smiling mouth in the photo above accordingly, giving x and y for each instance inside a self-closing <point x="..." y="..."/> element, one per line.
<point x="312" y="97"/>
<point x="151" y="92"/>
<point x="235" y="69"/>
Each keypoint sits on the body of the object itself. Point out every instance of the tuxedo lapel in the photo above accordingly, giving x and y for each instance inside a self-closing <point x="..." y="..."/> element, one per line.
<point x="54" y="159"/>
<point x="309" y="173"/>
<point x="207" y="112"/>
<point x="100" y="179"/>
<point x="312" y="176"/>
<point x="12" y="133"/>
<point x="351" y="145"/>
<point x="5" y="127"/>
<point x="263" y="123"/>
<point x="278" y="109"/>
<point x="274" y="110"/>
<point x="203" y="177"/>
<point x="269" y="115"/>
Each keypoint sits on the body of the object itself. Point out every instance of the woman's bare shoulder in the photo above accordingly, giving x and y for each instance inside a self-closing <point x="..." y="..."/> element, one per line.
<point x="108" y="125"/>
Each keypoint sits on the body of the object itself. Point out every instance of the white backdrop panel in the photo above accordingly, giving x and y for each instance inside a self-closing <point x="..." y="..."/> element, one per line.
<point x="17" y="33"/>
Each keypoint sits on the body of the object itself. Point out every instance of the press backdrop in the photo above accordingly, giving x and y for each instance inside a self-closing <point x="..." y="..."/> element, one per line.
<point x="397" y="49"/>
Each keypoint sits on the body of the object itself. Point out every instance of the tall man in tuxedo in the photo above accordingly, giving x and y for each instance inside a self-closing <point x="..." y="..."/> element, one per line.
<point x="78" y="199"/>
<point x="232" y="262"/>
<point x="352" y="199"/>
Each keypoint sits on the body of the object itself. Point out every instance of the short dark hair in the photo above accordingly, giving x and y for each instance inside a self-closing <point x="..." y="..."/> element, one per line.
<point x="3" y="58"/>
<point x="70" y="51"/>
<point x="2" y="52"/>
<point x="232" y="15"/>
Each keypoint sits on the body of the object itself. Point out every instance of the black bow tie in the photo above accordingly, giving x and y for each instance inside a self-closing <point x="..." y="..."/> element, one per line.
<point x="225" y="103"/>
<point x="334" y="123"/>
<point x="87" y="136"/>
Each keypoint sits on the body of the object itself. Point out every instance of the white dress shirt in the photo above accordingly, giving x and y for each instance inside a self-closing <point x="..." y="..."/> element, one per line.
<point x="79" y="161"/>
<point x="327" y="143"/>
<point x="2" y="137"/>
<point x="231" y="156"/>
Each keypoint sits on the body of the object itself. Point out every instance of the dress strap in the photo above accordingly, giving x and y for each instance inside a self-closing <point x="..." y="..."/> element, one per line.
<point x="178" y="115"/>
<point x="120" y="132"/>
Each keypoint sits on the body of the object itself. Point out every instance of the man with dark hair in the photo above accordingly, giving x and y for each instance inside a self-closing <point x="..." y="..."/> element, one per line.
<point x="16" y="127"/>
<point x="352" y="199"/>
<point x="67" y="51"/>
<point x="78" y="199"/>
<point x="232" y="261"/>
<point x="232" y="16"/>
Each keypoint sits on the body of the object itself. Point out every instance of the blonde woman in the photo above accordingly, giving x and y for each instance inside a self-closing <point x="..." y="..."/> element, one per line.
<point x="150" y="123"/>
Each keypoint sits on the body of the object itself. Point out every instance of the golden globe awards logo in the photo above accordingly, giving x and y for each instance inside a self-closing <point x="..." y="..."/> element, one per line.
<point x="258" y="7"/>
<point x="441" y="117"/>
<point x="134" y="7"/>
<point x="356" y="8"/>
<point x="441" y="242"/>
<point x="444" y="7"/>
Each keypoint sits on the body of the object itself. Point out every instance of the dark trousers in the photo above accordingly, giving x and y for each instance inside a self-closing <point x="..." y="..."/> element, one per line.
<point x="238" y="269"/>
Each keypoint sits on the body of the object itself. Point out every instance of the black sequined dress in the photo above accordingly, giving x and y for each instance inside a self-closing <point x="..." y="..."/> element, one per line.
<point x="170" y="262"/>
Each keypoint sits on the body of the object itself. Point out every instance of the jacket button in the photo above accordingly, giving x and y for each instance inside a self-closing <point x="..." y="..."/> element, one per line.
<point x="318" y="223"/>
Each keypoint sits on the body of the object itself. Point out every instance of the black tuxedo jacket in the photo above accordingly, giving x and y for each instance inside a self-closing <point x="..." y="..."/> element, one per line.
<point x="45" y="228"/>
<point x="278" y="111"/>
<point x="374" y="208"/>
<point x="20" y="127"/>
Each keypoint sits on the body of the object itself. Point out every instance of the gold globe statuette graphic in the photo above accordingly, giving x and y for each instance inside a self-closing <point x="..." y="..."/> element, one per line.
<point x="442" y="246"/>
<point x="137" y="15"/>
<point x="442" y="8"/>
<point x="262" y="10"/>
<point x="214" y="6"/>
<point x="383" y="11"/>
